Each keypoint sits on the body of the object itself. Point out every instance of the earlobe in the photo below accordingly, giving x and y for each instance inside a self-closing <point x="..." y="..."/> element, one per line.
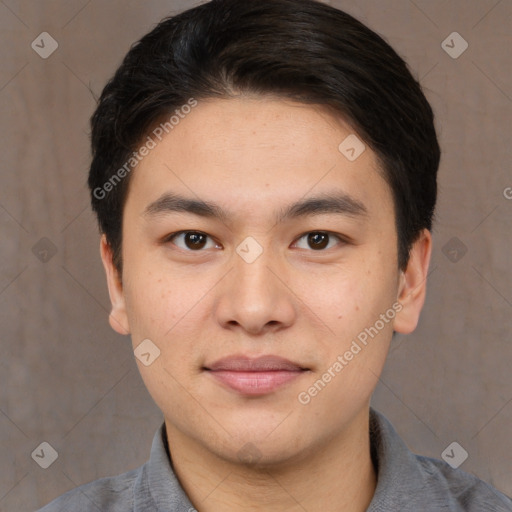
<point x="413" y="284"/>
<point x="118" y="318"/>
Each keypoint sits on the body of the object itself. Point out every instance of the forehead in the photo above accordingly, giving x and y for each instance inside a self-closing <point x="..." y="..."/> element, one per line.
<point x="249" y="152"/>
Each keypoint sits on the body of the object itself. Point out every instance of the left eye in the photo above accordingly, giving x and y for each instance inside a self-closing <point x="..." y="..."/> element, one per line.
<point x="192" y="240"/>
<point x="318" y="240"/>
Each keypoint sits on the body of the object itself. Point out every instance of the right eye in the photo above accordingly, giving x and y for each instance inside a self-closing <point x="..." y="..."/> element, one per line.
<point x="191" y="240"/>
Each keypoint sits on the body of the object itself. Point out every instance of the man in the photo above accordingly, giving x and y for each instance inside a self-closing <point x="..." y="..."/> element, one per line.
<point x="264" y="176"/>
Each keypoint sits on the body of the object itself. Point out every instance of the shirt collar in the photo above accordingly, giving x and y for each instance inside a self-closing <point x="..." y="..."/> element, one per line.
<point x="158" y="487"/>
<point x="399" y="477"/>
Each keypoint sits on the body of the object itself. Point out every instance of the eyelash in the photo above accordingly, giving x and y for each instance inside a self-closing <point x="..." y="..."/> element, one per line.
<point x="342" y="240"/>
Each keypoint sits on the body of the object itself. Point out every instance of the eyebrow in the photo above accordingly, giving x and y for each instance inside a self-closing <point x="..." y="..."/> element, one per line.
<point x="333" y="203"/>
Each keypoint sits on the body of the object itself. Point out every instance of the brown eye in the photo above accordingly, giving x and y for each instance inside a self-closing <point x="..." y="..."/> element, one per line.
<point x="195" y="240"/>
<point x="318" y="240"/>
<point x="191" y="240"/>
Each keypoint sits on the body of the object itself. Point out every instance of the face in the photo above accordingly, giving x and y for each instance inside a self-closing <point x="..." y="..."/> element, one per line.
<point x="262" y="263"/>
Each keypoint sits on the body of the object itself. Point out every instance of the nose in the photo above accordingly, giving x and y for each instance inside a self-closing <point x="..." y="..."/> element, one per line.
<point x="255" y="297"/>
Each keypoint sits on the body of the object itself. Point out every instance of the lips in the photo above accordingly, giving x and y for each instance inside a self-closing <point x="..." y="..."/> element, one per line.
<point x="254" y="376"/>
<point x="258" y="364"/>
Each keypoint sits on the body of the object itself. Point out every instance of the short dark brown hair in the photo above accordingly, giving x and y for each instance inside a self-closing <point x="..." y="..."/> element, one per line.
<point x="298" y="49"/>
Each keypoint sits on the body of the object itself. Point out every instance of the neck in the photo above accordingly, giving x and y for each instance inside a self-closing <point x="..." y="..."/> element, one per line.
<point x="336" y="475"/>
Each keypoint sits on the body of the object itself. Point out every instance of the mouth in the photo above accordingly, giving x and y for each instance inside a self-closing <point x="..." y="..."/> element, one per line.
<point x="254" y="376"/>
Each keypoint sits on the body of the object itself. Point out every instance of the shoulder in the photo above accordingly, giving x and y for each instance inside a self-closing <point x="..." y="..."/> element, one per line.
<point x="411" y="482"/>
<point x="465" y="490"/>
<point x="112" y="494"/>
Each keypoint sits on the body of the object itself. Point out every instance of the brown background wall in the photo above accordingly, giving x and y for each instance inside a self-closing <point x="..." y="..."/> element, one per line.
<point x="67" y="379"/>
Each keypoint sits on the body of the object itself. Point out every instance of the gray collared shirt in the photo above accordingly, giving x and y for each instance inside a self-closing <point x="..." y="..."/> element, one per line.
<point x="405" y="482"/>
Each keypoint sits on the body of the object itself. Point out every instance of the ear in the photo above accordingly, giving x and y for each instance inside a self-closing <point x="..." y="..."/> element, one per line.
<point x="118" y="318"/>
<point x="413" y="284"/>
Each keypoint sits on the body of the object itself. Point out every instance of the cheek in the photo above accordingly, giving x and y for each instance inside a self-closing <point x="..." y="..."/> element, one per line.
<point x="154" y="304"/>
<point x="171" y="311"/>
<point x="356" y="304"/>
<point x="352" y="295"/>
<point x="165" y="311"/>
